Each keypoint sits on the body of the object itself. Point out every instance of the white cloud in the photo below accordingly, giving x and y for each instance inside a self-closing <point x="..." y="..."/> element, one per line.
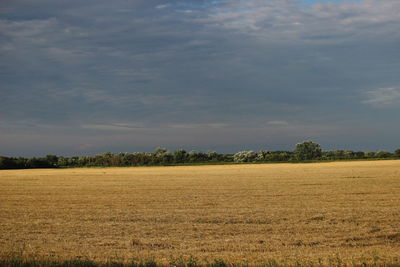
<point x="27" y="28"/>
<point x="113" y="126"/>
<point x="278" y="123"/>
<point x="162" y="6"/>
<point x="278" y="21"/>
<point x="383" y="97"/>
<point x="89" y="95"/>
<point x="198" y="125"/>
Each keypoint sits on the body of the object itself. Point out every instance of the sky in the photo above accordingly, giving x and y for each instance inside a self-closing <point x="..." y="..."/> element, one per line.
<point x="87" y="77"/>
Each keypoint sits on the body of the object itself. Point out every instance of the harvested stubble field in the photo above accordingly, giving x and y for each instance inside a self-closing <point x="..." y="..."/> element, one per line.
<point x="238" y="213"/>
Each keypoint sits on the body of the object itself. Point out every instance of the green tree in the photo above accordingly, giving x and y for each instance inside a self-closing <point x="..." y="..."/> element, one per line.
<point x="163" y="156"/>
<point x="245" y="156"/>
<point x="212" y="156"/>
<point x="307" y="151"/>
<point x="6" y="163"/>
<point x="197" y="156"/>
<point x="52" y="160"/>
<point x="383" y="154"/>
<point x="262" y="155"/>
<point x="180" y="156"/>
<point x="369" y="154"/>
<point x="349" y="154"/>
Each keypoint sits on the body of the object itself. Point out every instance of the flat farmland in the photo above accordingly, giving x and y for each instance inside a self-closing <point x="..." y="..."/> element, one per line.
<point x="238" y="213"/>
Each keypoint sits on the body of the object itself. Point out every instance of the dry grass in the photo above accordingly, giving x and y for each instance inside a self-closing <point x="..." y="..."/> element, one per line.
<point x="238" y="213"/>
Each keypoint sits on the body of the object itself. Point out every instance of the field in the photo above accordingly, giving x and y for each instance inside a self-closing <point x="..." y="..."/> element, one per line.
<point x="238" y="213"/>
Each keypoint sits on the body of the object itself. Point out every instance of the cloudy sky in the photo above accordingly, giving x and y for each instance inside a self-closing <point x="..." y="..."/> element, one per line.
<point x="83" y="77"/>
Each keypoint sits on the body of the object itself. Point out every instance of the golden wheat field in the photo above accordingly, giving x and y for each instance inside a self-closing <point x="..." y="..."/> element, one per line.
<point x="238" y="213"/>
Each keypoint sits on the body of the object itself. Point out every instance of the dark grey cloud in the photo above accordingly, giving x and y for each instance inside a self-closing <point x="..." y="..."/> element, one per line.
<point x="88" y="76"/>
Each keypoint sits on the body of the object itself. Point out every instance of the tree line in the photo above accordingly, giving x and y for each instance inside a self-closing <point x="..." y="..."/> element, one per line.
<point x="306" y="151"/>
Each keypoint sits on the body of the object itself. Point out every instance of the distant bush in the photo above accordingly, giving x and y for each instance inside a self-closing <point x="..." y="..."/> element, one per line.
<point x="180" y="156"/>
<point x="307" y="151"/>
<point x="369" y="154"/>
<point x="245" y="156"/>
<point x="303" y="151"/>
<point x="262" y="155"/>
<point x="383" y="154"/>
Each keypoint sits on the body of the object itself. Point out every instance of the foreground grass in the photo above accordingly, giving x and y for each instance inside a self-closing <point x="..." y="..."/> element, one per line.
<point x="237" y="213"/>
<point x="191" y="262"/>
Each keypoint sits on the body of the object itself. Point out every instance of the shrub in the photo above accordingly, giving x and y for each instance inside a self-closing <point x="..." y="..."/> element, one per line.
<point x="383" y="154"/>
<point x="245" y="156"/>
<point x="307" y="151"/>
